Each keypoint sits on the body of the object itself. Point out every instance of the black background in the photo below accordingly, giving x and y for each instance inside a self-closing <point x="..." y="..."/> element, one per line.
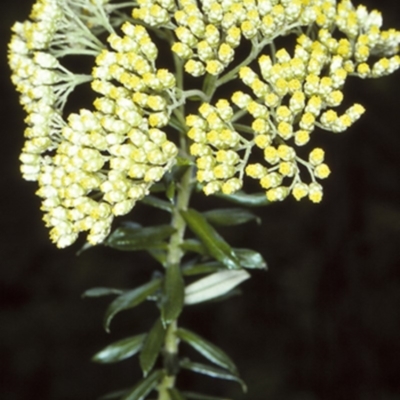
<point x="322" y="323"/>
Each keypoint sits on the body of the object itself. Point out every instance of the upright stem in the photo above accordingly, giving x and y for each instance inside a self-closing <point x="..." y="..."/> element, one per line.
<point x="174" y="257"/>
<point x="175" y="253"/>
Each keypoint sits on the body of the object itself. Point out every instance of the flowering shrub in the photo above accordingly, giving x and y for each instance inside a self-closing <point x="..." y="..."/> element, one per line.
<point x="229" y="105"/>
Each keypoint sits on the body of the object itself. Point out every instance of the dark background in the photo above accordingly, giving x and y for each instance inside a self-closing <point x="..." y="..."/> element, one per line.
<point x="322" y="323"/>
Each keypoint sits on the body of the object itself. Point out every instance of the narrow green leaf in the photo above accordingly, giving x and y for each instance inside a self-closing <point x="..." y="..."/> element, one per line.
<point x="170" y="191"/>
<point x="203" y="268"/>
<point x="214" y="285"/>
<point x="114" y="395"/>
<point x="175" y="394"/>
<point x="212" y="372"/>
<point x="157" y="203"/>
<point x="133" y="238"/>
<point x="144" y="387"/>
<point x="199" y="396"/>
<point x="230" y="216"/>
<point x="250" y="259"/>
<point x="174" y="294"/>
<point x="207" y="349"/>
<point x="130" y="299"/>
<point x="215" y="244"/>
<point x="120" y="350"/>
<point x="152" y="347"/>
<point x="194" y="245"/>
<point x="101" y="291"/>
<point x="245" y="199"/>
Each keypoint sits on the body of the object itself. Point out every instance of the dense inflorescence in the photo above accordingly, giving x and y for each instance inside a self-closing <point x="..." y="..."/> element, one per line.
<point x="96" y="163"/>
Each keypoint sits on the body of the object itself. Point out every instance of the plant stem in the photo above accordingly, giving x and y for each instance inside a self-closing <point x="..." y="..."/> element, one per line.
<point x="174" y="257"/>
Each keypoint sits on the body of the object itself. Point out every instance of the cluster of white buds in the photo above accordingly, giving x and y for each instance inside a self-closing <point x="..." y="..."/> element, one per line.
<point x="96" y="163"/>
<point x="215" y="146"/>
<point x="93" y="165"/>
<point x="291" y="96"/>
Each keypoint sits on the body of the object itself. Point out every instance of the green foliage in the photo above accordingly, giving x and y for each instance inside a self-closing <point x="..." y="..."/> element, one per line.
<point x="202" y="268"/>
<point x="199" y="396"/>
<point x="101" y="291"/>
<point x="144" y="387"/>
<point x="157" y="203"/>
<point x="207" y="349"/>
<point x="130" y="299"/>
<point x="151" y="347"/>
<point x="250" y="259"/>
<point x="173" y="294"/>
<point x="212" y="372"/>
<point x="245" y="199"/>
<point x="210" y="256"/>
<point x="135" y="237"/>
<point x="175" y="394"/>
<point x="117" y="394"/>
<point x="230" y="216"/>
<point x="120" y="350"/>
<point x="213" y="242"/>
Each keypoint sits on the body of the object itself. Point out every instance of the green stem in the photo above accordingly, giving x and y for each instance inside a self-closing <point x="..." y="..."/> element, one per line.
<point x="174" y="256"/>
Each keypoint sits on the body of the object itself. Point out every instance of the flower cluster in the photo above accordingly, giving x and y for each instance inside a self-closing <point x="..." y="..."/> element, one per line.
<point x="96" y="163"/>
<point x="288" y="99"/>
<point x="215" y="144"/>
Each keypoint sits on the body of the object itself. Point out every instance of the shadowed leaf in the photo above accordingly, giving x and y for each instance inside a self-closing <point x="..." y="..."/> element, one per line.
<point x="175" y="394"/>
<point x="245" y="199"/>
<point x="199" y="396"/>
<point x="157" y="203"/>
<point x="230" y="216"/>
<point x="115" y="395"/>
<point x="174" y="294"/>
<point x="151" y="347"/>
<point x="194" y="246"/>
<point x="144" y="387"/>
<point x="130" y="299"/>
<point x="207" y="349"/>
<point x="212" y="372"/>
<point x="102" y="291"/>
<point x="131" y="238"/>
<point x="204" y="268"/>
<point x="217" y="247"/>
